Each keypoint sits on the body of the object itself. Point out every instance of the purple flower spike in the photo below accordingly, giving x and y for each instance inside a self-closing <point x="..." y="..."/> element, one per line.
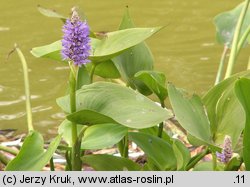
<point x="227" y="151"/>
<point x="76" y="42"/>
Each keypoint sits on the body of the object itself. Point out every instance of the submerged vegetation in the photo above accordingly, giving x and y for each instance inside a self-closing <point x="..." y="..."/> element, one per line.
<point x="116" y="111"/>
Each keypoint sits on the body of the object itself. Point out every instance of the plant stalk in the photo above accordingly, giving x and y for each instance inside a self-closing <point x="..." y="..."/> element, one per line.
<point x="92" y="71"/>
<point x="72" y="85"/>
<point x="4" y="159"/>
<point x="221" y="66"/>
<point x="27" y="89"/>
<point x="197" y="159"/>
<point x="242" y="40"/>
<point x="51" y="164"/>
<point x="8" y="150"/>
<point x="214" y="161"/>
<point x="233" y="54"/>
<point x="160" y="129"/>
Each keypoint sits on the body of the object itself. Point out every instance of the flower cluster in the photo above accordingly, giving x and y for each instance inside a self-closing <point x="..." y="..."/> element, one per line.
<point x="76" y="41"/>
<point x="227" y="151"/>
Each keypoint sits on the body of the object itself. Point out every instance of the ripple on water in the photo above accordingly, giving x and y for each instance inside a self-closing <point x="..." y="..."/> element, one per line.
<point x="59" y="115"/>
<point x="11" y="116"/>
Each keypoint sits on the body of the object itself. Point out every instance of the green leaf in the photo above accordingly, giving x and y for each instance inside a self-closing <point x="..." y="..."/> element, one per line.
<point x="118" y="41"/>
<point x="82" y="77"/>
<point x="51" y="51"/>
<point x="204" y="166"/>
<point x="88" y="117"/>
<point x="182" y="154"/>
<point x="32" y="156"/>
<point x="154" y="131"/>
<point x="65" y="129"/>
<point x="156" y="149"/>
<point x="51" y="13"/>
<point x="112" y="45"/>
<point x="95" y="137"/>
<point x="106" y="69"/>
<point x="234" y="164"/>
<point x="242" y="90"/>
<point x="226" y="22"/>
<point x="112" y="103"/>
<point x="110" y="163"/>
<point x="103" y="136"/>
<point x="134" y="59"/>
<point x="155" y="81"/>
<point x="190" y="114"/>
<point x="225" y="113"/>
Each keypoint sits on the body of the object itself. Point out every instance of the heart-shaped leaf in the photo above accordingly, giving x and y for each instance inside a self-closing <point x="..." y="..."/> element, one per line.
<point x="242" y="90"/>
<point x="134" y="59"/>
<point x="226" y="22"/>
<point x="113" y="103"/>
<point x="110" y="163"/>
<point x="190" y="114"/>
<point x="157" y="149"/>
<point x="32" y="156"/>
<point x="155" y="81"/>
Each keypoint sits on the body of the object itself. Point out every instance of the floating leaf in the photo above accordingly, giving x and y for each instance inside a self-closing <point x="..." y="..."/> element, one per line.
<point x="155" y="148"/>
<point x="110" y="163"/>
<point x="242" y="90"/>
<point x="113" y="103"/>
<point x="32" y="156"/>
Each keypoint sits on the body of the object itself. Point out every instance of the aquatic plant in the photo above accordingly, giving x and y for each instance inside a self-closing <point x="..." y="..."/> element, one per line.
<point x="116" y="110"/>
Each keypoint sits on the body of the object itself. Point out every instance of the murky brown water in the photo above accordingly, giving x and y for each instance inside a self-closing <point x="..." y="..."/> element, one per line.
<point x="185" y="50"/>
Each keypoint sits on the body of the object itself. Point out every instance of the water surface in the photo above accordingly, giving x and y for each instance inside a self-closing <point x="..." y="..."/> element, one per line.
<point x="186" y="50"/>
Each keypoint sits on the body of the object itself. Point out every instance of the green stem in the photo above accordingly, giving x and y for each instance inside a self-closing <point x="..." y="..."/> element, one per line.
<point x="68" y="161"/>
<point x="197" y="159"/>
<point x="214" y="161"/>
<point x="242" y="40"/>
<point x="8" y="150"/>
<point x="51" y="165"/>
<point x="221" y="66"/>
<point x="92" y="71"/>
<point x="72" y="85"/>
<point x="125" y="151"/>
<point x="4" y="159"/>
<point x="233" y="53"/>
<point x="27" y="89"/>
<point x="160" y="129"/>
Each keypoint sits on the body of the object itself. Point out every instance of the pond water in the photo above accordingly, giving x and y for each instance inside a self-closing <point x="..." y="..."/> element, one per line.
<point x="186" y="50"/>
